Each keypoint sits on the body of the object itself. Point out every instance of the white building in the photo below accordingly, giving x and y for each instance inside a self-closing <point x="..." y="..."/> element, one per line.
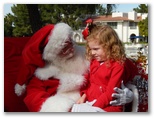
<point x="125" y="24"/>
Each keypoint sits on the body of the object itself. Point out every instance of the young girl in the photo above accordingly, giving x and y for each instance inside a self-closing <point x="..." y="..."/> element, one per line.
<point x="109" y="67"/>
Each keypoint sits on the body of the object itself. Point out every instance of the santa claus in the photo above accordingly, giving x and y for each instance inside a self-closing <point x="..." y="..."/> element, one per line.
<point x="54" y="70"/>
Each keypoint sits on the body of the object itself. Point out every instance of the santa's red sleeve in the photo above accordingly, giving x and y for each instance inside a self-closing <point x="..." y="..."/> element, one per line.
<point x="38" y="91"/>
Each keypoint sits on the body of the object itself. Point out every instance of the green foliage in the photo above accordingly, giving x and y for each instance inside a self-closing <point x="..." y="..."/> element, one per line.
<point x="8" y="26"/>
<point x="143" y="27"/>
<point x="18" y="23"/>
<point x="110" y="8"/>
<point x="142" y="8"/>
<point x="68" y="13"/>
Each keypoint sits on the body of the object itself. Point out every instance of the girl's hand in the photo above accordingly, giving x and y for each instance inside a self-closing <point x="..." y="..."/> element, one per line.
<point x="82" y="99"/>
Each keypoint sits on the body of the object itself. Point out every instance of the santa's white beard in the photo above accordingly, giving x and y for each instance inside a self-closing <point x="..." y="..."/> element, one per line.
<point x="69" y="70"/>
<point x="74" y="62"/>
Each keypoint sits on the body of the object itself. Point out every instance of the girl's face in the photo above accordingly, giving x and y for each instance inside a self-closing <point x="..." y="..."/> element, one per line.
<point x="97" y="51"/>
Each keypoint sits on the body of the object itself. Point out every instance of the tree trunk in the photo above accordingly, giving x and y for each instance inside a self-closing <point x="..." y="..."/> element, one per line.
<point x="34" y="16"/>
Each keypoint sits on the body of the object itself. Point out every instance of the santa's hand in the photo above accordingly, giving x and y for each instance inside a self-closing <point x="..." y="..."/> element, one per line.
<point x="123" y="96"/>
<point x="85" y="107"/>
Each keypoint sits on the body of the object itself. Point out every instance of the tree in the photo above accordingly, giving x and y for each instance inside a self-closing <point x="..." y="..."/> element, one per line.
<point x="8" y="25"/>
<point x="21" y="22"/>
<point x="142" y="8"/>
<point x="110" y="8"/>
<point x="34" y="17"/>
<point x="68" y="13"/>
<point x="143" y="27"/>
<point x="28" y="18"/>
<point x="143" y="24"/>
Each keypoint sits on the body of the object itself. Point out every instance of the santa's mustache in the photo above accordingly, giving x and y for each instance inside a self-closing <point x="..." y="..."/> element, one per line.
<point x="67" y="51"/>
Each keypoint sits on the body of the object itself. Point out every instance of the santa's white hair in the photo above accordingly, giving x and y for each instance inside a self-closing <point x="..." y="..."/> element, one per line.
<point x="56" y="40"/>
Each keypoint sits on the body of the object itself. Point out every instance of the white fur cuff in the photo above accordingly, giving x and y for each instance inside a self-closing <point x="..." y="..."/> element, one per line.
<point x="19" y="90"/>
<point x="57" y="103"/>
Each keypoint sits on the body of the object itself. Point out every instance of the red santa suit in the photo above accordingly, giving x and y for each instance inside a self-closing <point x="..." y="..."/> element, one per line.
<point x="54" y="82"/>
<point x="104" y="79"/>
<point x="55" y="88"/>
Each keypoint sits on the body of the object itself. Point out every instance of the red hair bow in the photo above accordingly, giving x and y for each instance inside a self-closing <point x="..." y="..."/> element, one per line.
<point x="85" y="33"/>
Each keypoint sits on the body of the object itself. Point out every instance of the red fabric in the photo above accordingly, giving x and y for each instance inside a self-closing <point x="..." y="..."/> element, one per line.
<point x="85" y="33"/>
<point x="103" y="80"/>
<point x="89" y="20"/>
<point x="12" y="57"/>
<point x="32" y="54"/>
<point x="38" y="91"/>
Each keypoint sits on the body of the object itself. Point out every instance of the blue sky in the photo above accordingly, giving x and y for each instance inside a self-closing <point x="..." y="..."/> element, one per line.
<point x="126" y="7"/>
<point x="7" y="8"/>
<point x="120" y="7"/>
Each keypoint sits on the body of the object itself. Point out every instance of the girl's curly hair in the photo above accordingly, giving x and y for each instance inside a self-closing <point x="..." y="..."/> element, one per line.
<point x="108" y="38"/>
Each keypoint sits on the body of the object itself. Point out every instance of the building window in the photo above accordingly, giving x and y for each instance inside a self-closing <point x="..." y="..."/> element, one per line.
<point x="113" y="24"/>
<point x="132" y="25"/>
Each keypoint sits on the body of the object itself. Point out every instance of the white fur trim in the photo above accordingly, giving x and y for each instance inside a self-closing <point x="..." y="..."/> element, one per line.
<point x="70" y="82"/>
<point x="135" y="103"/>
<point x="46" y="72"/>
<point x="19" y="90"/>
<point x="59" y="35"/>
<point x="57" y="103"/>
